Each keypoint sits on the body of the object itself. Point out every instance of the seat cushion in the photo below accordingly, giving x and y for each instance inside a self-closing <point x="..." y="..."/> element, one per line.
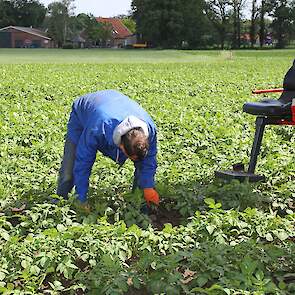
<point x="268" y="107"/>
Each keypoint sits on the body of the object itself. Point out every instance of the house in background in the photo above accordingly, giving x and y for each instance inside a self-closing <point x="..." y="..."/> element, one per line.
<point x="23" y="37"/>
<point x="78" y="41"/>
<point x="121" y="36"/>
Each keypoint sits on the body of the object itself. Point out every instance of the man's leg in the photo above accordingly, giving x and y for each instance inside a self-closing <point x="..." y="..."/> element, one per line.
<point x="65" y="178"/>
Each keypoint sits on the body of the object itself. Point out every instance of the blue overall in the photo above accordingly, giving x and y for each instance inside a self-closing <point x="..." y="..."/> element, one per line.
<point x="90" y="129"/>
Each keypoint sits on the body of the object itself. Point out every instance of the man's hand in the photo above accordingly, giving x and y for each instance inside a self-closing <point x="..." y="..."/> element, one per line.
<point x="151" y="196"/>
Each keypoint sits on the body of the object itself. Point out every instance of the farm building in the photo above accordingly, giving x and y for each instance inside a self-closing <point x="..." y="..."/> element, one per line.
<point x="121" y="36"/>
<point x="23" y="37"/>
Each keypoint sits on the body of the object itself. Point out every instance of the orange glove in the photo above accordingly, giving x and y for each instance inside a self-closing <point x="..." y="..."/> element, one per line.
<point x="151" y="196"/>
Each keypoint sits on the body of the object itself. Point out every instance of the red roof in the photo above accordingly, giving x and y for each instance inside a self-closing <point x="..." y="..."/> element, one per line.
<point x="119" y="29"/>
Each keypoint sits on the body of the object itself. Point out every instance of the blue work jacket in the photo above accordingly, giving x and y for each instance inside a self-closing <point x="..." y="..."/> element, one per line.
<point x="91" y="125"/>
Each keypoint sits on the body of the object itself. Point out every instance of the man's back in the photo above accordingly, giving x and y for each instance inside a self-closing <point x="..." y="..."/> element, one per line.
<point x="107" y="105"/>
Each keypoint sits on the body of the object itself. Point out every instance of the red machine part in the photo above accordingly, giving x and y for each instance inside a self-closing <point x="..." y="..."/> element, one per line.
<point x="268" y="90"/>
<point x="285" y="122"/>
<point x="293" y="110"/>
<point x="274" y="90"/>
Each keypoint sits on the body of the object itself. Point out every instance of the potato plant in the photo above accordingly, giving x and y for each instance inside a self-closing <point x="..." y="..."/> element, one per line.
<point x="207" y="237"/>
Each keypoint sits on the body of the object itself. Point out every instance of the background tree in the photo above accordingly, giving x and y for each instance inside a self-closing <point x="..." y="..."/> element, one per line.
<point x="29" y="13"/>
<point x="147" y="18"/>
<point x="264" y="21"/>
<point x="218" y="13"/>
<point x="263" y="10"/>
<point x="59" y="19"/>
<point x="237" y="6"/>
<point x="94" y="32"/>
<point x="55" y="22"/>
<point x="292" y="12"/>
<point x="169" y="23"/>
<point x="281" y="12"/>
<point x="159" y="22"/>
<point x="265" y="7"/>
<point x="24" y="13"/>
<point x="104" y="31"/>
<point x="197" y="30"/>
<point x="254" y="18"/>
<point x="128" y="21"/>
<point x="7" y="13"/>
<point x="130" y="24"/>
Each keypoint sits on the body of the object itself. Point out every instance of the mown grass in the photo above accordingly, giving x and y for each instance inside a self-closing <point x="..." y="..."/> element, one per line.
<point x="16" y="56"/>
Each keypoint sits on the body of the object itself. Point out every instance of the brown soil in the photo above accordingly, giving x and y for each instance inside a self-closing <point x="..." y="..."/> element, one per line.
<point x="161" y="215"/>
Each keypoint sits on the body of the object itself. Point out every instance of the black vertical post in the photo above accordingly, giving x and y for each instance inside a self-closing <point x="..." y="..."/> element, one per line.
<point x="260" y="125"/>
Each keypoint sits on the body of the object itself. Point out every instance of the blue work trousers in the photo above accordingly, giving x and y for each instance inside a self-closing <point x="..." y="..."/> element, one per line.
<point x="65" y="181"/>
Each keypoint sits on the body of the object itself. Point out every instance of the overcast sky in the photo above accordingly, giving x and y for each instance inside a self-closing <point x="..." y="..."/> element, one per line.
<point x="105" y="8"/>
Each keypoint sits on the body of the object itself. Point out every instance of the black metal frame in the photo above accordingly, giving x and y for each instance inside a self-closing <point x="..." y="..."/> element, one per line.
<point x="263" y="119"/>
<point x="261" y="122"/>
<point x="238" y="171"/>
<point x="260" y="126"/>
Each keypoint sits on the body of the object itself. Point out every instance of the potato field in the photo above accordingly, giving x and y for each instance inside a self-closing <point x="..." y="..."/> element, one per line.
<point x="206" y="237"/>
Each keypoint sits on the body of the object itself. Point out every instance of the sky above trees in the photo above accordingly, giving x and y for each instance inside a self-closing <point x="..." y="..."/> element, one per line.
<point x="99" y="7"/>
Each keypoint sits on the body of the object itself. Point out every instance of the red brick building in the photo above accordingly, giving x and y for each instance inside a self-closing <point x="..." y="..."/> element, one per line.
<point x="121" y="36"/>
<point x="23" y="37"/>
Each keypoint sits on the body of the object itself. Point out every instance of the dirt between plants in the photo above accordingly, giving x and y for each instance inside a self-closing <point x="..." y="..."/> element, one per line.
<point x="162" y="215"/>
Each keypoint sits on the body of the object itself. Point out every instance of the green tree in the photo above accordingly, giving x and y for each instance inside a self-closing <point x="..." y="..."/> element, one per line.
<point x="22" y="13"/>
<point x="169" y="23"/>
<point x="93" y="31"/>
<point x="265" y="8"/>
<point x="218" y="13"/>
<point x="29" y="13"/>
<point x="262" y="23"/>
<point x="55" y="22"/>
<point x="281" y="12"/>
<point x="254" y="25"/>
<point x="158" y="22"/>
<point x="197" y="30"/>
<point x="130" y="24"/>
<point x="128" y="21"/>
<point x="104" y="33"/>
<point x="147" y="18"/>
<point x="59" y="20"/>
<point x="237" y="7"/>
<point x="7" y="13"/>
